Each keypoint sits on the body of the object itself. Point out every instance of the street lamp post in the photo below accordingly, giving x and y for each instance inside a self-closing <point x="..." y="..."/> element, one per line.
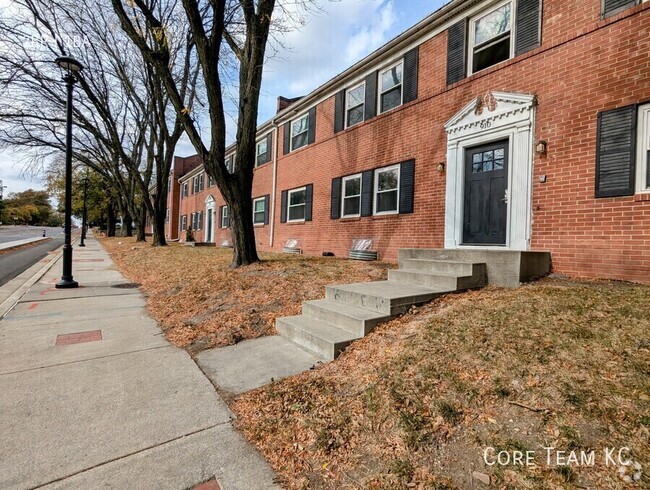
<point x="85" y="213"/>
<point x="70" y="66"/>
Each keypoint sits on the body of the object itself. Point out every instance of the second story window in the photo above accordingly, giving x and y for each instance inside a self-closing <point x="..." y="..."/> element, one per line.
<point x="299" y="132"/>
<point x="390" y="85"/>
<point x="195" y="185"/>
<point x="490" y="38"/>
<point x="355" y="104"/>
<point x="184" y="190"/>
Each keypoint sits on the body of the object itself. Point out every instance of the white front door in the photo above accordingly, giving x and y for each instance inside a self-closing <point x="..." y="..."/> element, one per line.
<point x="209" y="219"/>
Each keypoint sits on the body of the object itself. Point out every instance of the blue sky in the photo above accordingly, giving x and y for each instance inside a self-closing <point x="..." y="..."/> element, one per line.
<point x="328" y="43"/>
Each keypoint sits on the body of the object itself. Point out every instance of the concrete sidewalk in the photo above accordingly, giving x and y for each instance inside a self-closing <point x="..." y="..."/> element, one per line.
<point x="114" y="407"/>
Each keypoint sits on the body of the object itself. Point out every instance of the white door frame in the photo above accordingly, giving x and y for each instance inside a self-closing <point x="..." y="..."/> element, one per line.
<point x="491" y="117"/>
<point x="209" y="215"/>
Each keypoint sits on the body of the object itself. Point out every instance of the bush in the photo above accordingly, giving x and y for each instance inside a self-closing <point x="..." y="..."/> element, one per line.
<point x="189" y="235"/>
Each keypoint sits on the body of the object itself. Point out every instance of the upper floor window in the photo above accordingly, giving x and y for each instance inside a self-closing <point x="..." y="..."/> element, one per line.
<point x="299" y="132"/>
<point x="263" y="151"/>
<point x="612" y="7"/>
<point x="210" y="181"/>
<point x="230" y="163"/>
<point x="184" y="189"/>
<point x="195" y="185"/>
<point x="167" y="216"/>
<point x="355" y="104"/>
<point x="351" y="205"/>
<point x="390" y="85"/>
<point x="387" y="190"/>
<point x="491" y="37"/>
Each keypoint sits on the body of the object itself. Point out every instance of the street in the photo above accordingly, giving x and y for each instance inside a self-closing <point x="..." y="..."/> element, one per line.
<point x="13" y="233"/>
<point x="14" y="262"/>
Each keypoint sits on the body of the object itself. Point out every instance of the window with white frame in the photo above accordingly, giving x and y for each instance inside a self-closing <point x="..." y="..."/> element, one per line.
<point x="491" y="37"/>
<point x="299" y="132"/>
<point x="210" y="181"/>
<point x="184" y="189"/>
<point x="355" y="98"/>
<point x="351" y="202"/>
<point x="167" y="216"/>
<point x="296" y="204"/>
<point x="261" y="152"/>
<point x="387" y="190"/>
<point x="225" y="217"/>
<point x="643" y="150"/>
<point x="201" y="181"/>
<point x="259" y="211"/>
<point x="390" y="87"/>
<point x="184" y="223"/>
<point x="195" y="185"/>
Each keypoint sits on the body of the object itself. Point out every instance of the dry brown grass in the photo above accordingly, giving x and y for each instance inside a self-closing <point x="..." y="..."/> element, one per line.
<point x="414" y="404"/>
<point x="200" y="302"/>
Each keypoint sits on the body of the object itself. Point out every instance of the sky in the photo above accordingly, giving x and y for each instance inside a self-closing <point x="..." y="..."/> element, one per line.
<point x="329" y="42"/>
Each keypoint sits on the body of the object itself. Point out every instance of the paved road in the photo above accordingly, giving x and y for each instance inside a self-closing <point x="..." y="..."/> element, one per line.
<point x="12" y="233"/>
<point x="13" y="263"/>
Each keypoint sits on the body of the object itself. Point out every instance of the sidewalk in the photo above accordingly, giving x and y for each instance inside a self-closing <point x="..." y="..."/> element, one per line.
<point x="114" y="406"/>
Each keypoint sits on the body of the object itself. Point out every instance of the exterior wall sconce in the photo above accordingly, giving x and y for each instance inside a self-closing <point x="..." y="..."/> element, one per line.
<point x="441" y="167"/>
<point x="540" y="147"/>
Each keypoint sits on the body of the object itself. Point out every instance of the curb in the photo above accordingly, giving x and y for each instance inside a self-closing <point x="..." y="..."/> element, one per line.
<point x="6" y="247"/>
<point x="28" y="278"/>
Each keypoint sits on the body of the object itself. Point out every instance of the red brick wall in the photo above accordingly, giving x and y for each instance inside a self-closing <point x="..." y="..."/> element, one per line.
<point x="585" y="65"/>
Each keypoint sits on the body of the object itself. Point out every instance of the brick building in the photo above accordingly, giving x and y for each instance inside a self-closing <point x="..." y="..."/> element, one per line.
<point x="516" y="124"/>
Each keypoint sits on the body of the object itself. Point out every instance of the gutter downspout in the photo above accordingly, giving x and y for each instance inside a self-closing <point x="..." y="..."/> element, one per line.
<point x="275" y="176"/>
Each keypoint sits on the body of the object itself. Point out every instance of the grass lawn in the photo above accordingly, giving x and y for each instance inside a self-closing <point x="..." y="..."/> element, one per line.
<point x="201" y="303"/>
<point x="414" y="405"/>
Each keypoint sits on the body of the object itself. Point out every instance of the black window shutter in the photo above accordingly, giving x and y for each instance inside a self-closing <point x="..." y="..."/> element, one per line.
<point x="611" y="7"/>
<point x="220" y="216"/>
<point x="335" y="211"/>
<point x="287" y="138"/>
<point x="267" y="203"/>
<point x="283" y="209"/>
<point x="370" y="107"/>
<point x="406" y="186"/>
<point x="366" y="193"/>
<point x="339" y="111"/>
<point x="411" y="74"/>
<point x="615" y="152"/>
<point x="269" y="147"/>
<point x="309" y="197"/>
<point x="456" y="52"/>
<point x="528" y="25"/>
<point x="311" y="135"/>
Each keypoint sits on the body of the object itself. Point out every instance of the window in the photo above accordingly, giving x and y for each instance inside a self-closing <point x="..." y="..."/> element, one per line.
<point x="387" y="190"/>
<point x="296" y="204"/>
<point x="200" y="177"/>
<point x="354" y="104"/>
<point x="210" y="181"/>
<point x="185" y="189"/>
<point x="197" y="220"/>
<point x="390" y="88"/>
<point x="169" y="185"/>
<point x="225" y="217"/>
<point x="490" y="38"/>
<point x="351" y="205"/>
<point x="643" y="148"/>
<point x="167" y="216"/>
<point x="195" y="185"/>
<point x="184" y="222"/>
<point x="299" y="132"/>
<point x="259" y="211"/>
<point x="230" y="164"/>
<point x="611" y="7"/>
<point x="262" y="152"/>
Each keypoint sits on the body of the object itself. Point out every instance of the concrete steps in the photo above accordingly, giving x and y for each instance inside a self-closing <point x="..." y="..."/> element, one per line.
<point x="350" y="311"/>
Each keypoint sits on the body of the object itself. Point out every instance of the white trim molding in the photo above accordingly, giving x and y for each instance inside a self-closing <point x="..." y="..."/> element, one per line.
<point x="491" y="117"/>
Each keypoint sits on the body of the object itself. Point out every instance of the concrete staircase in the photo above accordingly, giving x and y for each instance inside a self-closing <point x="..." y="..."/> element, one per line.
<point x="348" y="312"/>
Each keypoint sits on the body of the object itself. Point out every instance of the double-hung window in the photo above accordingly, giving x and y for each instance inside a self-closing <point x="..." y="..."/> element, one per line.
<point x="184" y="222"/>
<point x="167" y="216"/>
<point x="643" y="150"/>
<point x="390" y="87"/>
<point x="355" y="104"/>
<point x="387" y="190"/>
<point x="185" y="190"/>
<point x="299" y="132"/>
<point x="296" y="204"/>
<point x="200" y="177"/>
<point x="491" y="37"/>
<point x="195" y="185"/>
<point x="210" y="181"/>
<point x="225" y="217"/>
<point x="261" y="153"/>
<point x="259" y="211"/>
<point x="351" y="202"/>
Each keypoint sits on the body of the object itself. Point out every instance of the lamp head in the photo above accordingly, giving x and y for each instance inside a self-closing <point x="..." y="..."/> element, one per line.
<point x="69" y="64"/>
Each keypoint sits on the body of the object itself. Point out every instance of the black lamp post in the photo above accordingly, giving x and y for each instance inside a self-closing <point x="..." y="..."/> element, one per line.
<point x="70" y="66"/>
<point x="85" y="213"/>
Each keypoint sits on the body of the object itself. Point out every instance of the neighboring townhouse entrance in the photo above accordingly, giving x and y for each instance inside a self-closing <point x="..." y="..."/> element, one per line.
<point x="486" y="180"/>
<point x="489" y="172"/>
<point x="209" y="219"/>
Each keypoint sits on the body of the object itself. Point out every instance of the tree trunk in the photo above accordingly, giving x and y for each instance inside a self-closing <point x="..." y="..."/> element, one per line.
<point x="141" y="225"/>
<point x="111" y="217"/>
<point x="128" y="221"/>
<point x="240" y="209"/>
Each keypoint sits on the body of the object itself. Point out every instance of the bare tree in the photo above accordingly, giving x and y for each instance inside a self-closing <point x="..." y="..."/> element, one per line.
<point x="216" y="26"/>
